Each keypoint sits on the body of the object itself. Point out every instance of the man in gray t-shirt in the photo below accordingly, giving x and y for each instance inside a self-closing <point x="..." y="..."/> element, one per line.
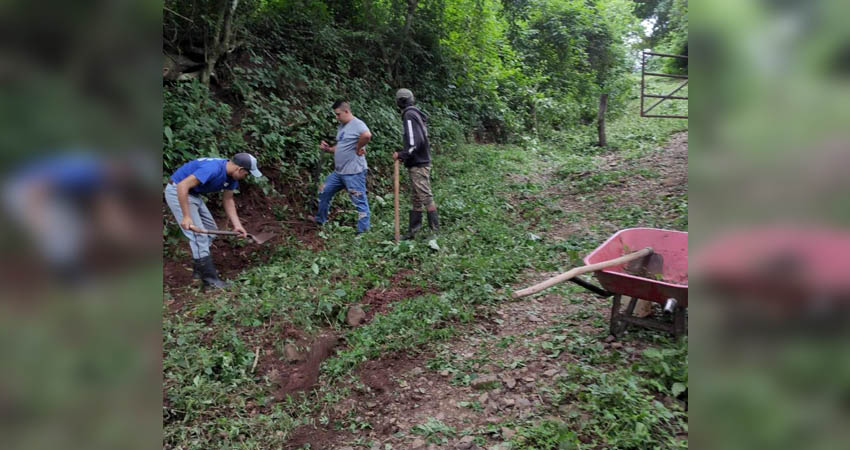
<point x="349" y="166"/>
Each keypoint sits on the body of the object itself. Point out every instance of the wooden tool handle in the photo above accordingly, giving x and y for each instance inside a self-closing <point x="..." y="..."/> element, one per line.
<point x="395" y="201"/>
<point x="222" y="232"/>
<point x="580" y="270"/>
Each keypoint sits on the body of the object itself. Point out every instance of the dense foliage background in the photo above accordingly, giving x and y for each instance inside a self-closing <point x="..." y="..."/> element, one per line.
<point x="260" y="75"/>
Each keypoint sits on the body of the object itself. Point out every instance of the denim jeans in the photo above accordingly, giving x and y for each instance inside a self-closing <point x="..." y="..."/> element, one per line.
<point x="198" y="242"/>
<point x="355" y="184"/>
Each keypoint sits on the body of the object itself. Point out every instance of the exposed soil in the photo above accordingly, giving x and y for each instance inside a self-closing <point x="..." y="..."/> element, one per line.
<point x="669" y="163"/>
<point x="399" y="392"/>
<point x="380" y="300"/>
<point x="379" y="375"/>
<point x="298" y="376"/>
<point x="370" y="402"/>
<point x="233" y="255"/>
<point x="270" y="358"/>
<point x="317" y="438"/>
<point x="303" y="376"/>
<point x="291" y="375"/>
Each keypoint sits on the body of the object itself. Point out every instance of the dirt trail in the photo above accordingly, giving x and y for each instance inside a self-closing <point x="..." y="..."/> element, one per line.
<point x="509" y="382"/>
<point x="669" y="170"/>
<point x="473" y="390"/>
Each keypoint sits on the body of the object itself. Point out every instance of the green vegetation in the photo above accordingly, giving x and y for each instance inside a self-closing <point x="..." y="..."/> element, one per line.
<point x="209" y="346"/>
<point x="509" y="72"/>
<point x="524" y="76"/>
<point x="435" y="431"/>
<point x="669" y="30"/>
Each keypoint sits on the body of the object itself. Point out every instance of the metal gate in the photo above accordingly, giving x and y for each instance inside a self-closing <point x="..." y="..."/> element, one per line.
<point x="670" y="96"/>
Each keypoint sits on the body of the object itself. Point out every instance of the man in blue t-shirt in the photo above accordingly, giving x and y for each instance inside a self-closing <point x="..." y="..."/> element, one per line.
<point x="73" y="204"/>
<point x="183" y="195"/>
<point x="349" y="166"/>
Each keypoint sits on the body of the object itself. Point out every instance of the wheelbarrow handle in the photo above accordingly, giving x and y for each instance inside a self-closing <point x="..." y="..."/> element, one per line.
<point x="580" y="270"/>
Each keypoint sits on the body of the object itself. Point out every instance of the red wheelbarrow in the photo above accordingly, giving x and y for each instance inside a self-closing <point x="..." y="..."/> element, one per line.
<point x="668" y="286"/>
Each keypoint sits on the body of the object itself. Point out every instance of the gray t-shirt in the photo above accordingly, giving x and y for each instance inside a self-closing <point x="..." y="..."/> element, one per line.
<point x="346" y="161"/>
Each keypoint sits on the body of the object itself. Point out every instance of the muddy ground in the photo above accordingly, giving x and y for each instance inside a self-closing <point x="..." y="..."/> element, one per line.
<point x="402" y="392"/>
<point x="510" y="375"/>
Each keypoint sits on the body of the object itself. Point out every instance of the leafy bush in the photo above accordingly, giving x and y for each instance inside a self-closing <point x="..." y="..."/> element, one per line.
<point x="547" y="435"/>
<point x="667" y="368"/>
<point x="480" y="69"/>
<point x="618" y="411"/>
<point x="195" y="125"/>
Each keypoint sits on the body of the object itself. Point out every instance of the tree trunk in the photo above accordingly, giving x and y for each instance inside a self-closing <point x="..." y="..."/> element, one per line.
<point x="600" y="119"/>
<point x="367" y="11"/>
<point x="221" y="38"/>
<point x="408" y="23"/>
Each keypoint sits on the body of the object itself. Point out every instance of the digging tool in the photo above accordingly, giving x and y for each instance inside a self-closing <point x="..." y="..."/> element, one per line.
<point x="395" y="200"/>
<point x="259" y="238"/>
<point x="644" y="261"/>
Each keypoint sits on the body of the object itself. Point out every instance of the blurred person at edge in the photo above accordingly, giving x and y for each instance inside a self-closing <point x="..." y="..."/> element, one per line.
<point x="64" y="201"/>
<point x="183" y="195"/>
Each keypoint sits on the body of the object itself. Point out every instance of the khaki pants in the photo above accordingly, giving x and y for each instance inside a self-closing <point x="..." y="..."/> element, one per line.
<point x="420" y="188"/>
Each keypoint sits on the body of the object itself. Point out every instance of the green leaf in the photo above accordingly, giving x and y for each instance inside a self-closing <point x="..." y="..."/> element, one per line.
<point x="168" y="134"/>
<point x="652" y="353"/>
<point x="433" y="244"/>
<point x="315" y="268"/>
<point x="678" y="388"/>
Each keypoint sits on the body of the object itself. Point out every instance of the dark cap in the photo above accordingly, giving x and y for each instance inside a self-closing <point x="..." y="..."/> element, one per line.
<point x="247" y="162"/>
<point x="403" y="93"/>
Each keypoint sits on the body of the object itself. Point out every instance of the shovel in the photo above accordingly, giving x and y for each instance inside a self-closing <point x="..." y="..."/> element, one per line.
<point x="645" y="263"/>
<point x="259" y="238"/>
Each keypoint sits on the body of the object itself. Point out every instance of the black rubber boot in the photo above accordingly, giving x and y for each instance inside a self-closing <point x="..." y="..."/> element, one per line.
<point x="434" y="220"/>
<point x="209" y="275"/>
<point x="196" y="269"/>
<point x="415" y="224"/>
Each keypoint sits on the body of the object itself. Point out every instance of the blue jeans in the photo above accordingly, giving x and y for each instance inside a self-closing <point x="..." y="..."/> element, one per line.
<point x="355" y="184"/>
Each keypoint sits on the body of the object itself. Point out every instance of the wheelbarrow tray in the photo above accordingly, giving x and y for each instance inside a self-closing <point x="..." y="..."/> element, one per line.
<point x="671" y="245"/>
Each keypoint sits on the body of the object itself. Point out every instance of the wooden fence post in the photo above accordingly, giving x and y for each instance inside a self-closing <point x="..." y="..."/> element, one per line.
<point x="600" y="119"/>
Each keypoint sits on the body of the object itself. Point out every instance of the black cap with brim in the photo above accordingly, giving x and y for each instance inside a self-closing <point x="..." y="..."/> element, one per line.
<point x="247" y="162"/>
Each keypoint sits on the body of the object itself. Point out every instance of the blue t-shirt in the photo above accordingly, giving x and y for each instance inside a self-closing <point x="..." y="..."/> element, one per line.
<point x="211" y="172"/>
<point x="69" y="174"/>
<point x="346" y="161"/>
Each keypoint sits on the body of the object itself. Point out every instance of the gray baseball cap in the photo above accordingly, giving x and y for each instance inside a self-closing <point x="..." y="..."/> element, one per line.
<point x="403" y="93"/>
<point x="247" y="162"/>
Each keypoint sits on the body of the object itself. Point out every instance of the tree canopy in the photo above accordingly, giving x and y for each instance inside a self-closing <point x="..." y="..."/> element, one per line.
<point x="267" y="71"/>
